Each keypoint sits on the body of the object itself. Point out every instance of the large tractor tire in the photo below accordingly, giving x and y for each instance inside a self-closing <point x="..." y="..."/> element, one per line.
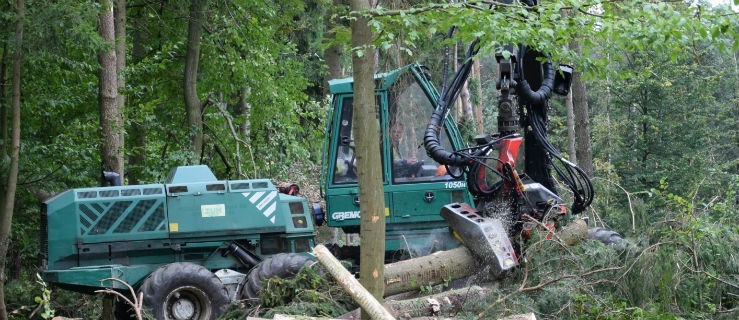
<point x="184" y="291"/>
<point x="282" y="265"/>
<point x="608" y="237"/>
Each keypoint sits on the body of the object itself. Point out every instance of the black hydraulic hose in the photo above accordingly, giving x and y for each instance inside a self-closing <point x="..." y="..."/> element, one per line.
<point x="573" y="176"/>
<point x="434" y="149"/>
<point x="449" y="93"/>
<point x="524" y="90"/>
<point x="243" y="255"/>
<point x="544" y="92"/>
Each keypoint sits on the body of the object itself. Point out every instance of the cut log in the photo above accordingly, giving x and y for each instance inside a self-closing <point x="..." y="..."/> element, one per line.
<point x="351" y="286"/>
<point x="445" y="304"/>
<point x="437" y="268"/>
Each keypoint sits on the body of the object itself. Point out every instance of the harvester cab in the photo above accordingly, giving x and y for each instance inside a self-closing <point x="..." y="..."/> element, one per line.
<point x="416" y="187"/>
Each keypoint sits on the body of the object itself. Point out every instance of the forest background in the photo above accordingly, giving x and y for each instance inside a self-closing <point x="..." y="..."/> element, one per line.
<point x="147" y="85"/>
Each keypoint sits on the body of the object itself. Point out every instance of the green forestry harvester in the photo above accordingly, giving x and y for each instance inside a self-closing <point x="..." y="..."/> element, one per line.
<point x="185" y="244"/>
<point x="415" y="186"/>
<point x="195" y="243"/>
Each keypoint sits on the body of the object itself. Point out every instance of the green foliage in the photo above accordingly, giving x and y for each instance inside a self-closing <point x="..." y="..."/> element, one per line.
<point x="663" y="83"/>
<point x="610" y="28"/>
<point x="310" y="293"/>
<point x="44" y="301"/>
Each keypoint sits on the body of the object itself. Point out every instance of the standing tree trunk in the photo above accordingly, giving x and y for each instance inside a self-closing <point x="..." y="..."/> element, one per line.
<point x="192" y="59"/>
<point x="111" y="119"/>
<point x="333" y="53"/>
<point x="582" y="119"/>
<point x="477" y="102"/>
<point x="243" y="108"/>
<point x="466" y="104"/>
<point x="571" y="140"/>
<point x="366" y="133"/>
<point x="3" y="105"/>
<point x="120" y="66"/>
<point x="137" y="155"/>
<point x="8" y="207"/>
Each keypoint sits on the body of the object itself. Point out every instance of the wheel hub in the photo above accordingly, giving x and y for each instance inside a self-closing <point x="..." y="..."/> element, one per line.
<point x="187" y="303"/>
<point x="183" y="309"/>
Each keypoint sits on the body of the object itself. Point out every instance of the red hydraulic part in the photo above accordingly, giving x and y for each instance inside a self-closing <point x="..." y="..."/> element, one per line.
<point x="507" y="153"/>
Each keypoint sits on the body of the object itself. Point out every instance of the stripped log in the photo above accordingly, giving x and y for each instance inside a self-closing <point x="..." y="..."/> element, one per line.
<point x="437" y="268"/>
<point x="350" y="284"/>
<point x="444" y="304"/>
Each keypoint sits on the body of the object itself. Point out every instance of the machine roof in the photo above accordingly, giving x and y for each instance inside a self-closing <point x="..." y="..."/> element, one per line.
<point x="382" y="81"/>
<point x="187" y="174"/>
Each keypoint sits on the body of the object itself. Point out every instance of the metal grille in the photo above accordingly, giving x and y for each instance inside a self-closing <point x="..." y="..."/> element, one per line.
<point x="154" y="222"/>
<point x="121" y="217"/>
<point x="98" y="207"/>
<point x="109" y="193"/>
<point x="87" y="194"/>
<point x="91" y="216"/>
<point x="241" y="185"/>
<point x="110" y="217"/>
<point x="130" y="192"/>
<point x="134" y="216"/>
<point x="150" y="191"/>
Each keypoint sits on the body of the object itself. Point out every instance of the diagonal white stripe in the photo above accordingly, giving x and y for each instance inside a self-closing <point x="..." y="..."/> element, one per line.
<point x="271" y="196"/>
<point x="256" y="196"/>
<point x="270" y="210"/>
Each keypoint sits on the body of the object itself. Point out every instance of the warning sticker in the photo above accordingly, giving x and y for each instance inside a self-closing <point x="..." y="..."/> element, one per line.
<point x="213" y="210"/>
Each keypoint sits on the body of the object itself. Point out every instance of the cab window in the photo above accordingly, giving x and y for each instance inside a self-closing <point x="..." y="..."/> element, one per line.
<point x="408" y="112"/>
<point x="345" y="160"/>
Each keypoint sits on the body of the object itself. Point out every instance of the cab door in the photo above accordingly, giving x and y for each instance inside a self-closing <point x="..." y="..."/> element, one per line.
<point x="342" y="191"/>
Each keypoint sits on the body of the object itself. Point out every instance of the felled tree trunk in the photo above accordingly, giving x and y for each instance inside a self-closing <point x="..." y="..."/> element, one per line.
<point x="445" y="304"/>
<point x="434" y="269"/>
<point x="351" y="286"/>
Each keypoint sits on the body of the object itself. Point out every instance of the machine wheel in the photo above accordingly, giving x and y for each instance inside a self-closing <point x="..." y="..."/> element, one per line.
<point x="184" y="291"/>
<point x="283" y="265"/>
<point x="608" y="237"/>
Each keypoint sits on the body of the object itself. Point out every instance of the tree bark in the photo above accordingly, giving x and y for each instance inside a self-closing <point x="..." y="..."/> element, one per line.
<point x="571" y="151"/>
<point x="333" y="53"/>
<point x="366" y="134"/>
<point x="8" y="207"/>
<point x="466" y="104"/>
<point x="137" y="155"/>
<point x="477" y="103"/>
<point x="192" y="59"/>
<point x="111" y="120"/>
<point x="3" y="105"/>
<point x="368" y="301"/>
<point x="120" y="66"/>
<point x="433" y="269"/>
<point x="444" y="304"/>
<point x="582" y="119"/>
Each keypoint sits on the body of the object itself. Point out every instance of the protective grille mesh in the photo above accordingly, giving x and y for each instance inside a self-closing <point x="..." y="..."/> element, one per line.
<point x="110" y="217"/>
<point x="134" y="216"/>
<point x="155" y="220"/>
